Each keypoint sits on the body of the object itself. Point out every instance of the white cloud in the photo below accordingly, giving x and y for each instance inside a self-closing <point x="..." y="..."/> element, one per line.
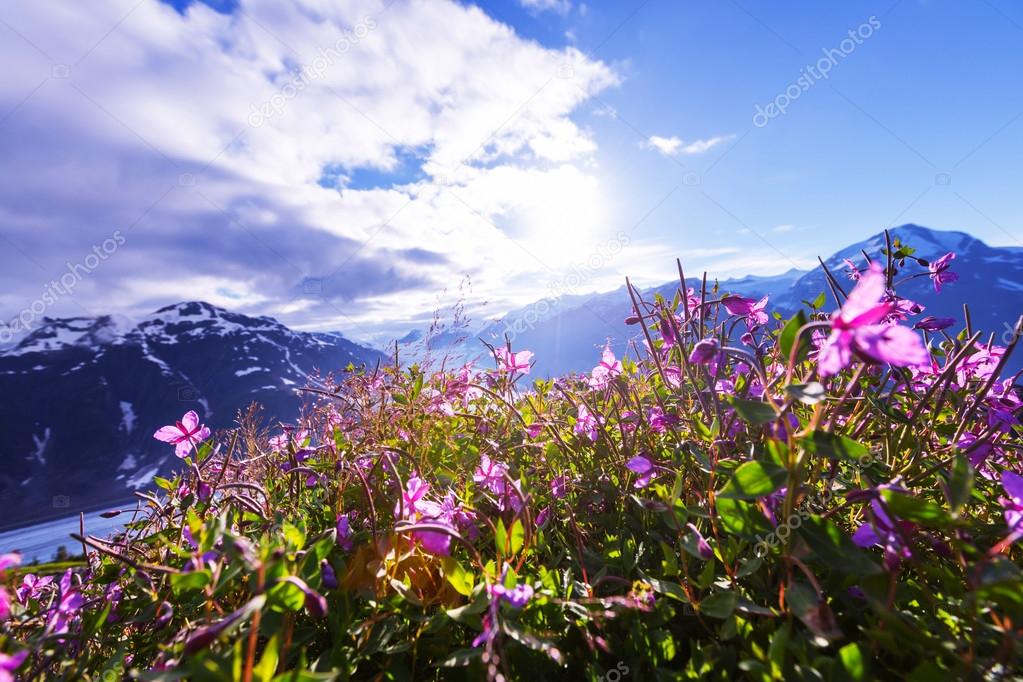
<point x="783" y="228"/>
<point x="673" y="146"/>
<point x="559" y="6"/>
<point x="203" y="136"/>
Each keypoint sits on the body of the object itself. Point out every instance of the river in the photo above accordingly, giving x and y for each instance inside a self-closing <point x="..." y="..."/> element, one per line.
<point x="40" y="541"/>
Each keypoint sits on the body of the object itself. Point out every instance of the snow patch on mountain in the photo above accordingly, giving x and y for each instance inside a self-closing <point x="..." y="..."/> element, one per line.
<point x="127" y="416"/>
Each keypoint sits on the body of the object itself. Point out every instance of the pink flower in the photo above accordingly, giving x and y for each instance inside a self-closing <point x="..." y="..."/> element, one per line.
<point x="490" y="475"/>
<point x="513" y="363"/>
<point x="68" y="605"/>
<point x="344" y="532"/>
<point x="517" y="596"/>
<point x="291" y="436"/>
<point x="704" y="352"/>
<point x="1013" y="505"/>
<point x="184" y="434"/>
<point x="934" y="324"/>
<point x="748" y="308"/>
<point x="642" y="466"/>
<point x="851" y="270"/>
<point x="10" y="663"/>
<point x="857" y="330"/>
<point x="702" y="546"/>
<point x="586" y="424"/>
<point x="30" y="587"/>
<point x="940" y="273"/>
<point x="606" y="370"/>
<point x="415" y="489"/>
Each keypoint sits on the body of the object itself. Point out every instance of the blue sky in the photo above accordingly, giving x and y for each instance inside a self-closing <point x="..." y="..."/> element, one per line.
<point x="356" y="165"/>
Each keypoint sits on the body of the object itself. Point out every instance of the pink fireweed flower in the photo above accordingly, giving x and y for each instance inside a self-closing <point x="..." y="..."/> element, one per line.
<point x="586" y="424"/>
<point x="291" y="436"/>
<point x="887" y="532"/>
<point x="934" y="324"/>
<point x="516" y="597"/>
<point x="667" y="330"/>
<point x="643" y="467"/>
<point x="184" y="435"/>
<point x="980" y="365"/>
<point x="902" y="308"/>
<point x="558" y="484"/>
<point x="702" y="546"/>
<point x="608" y="368"/>
<point x="856" y="330"/>
<point x="513" y="363"/>
<point x="704" y="351"/>
<point x="851" y="271"/>
<point x="415" y="489"/>
<point x="940" y="273"/>
<point x="68" y="605"/>
<point x="490" y="475"/>
<point x="753" y="311"/>
<point x="659" y="422"/>
<point x="418" y="509"/>
<point x="1003" y="406"/>
<point x="344" y="532"/>
<point x="30" y="587"/>
<point x="10" y="663"/>
<point x="1013" y="504"/>
<point x="9" y="560"/>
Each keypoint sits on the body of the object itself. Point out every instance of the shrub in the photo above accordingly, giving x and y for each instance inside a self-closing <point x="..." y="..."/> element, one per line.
<point x="825" y="497"/>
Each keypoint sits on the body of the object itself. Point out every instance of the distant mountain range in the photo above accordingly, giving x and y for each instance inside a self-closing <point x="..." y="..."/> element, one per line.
<point x="566" y="334"/>
<point x="81" y="397"/>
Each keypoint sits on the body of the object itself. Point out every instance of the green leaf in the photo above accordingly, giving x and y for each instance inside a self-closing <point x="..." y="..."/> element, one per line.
<point x="719" y="605"/>
<point x="189" y="582"/>
<point x="788" y="337"/>
<point x="754" y="412"/>
<point x="518" y="536"/>
<point x="916" y="509"/>
<point x="810" y="394"/>
<point x="960" y="484"/>
<point x="668" y="588"/>
<point x="459" y="578"/>
<point x="264" y="670"/>
<point x="293" y="535"/>
<point x="501" y="538"/>
<point x="815" y="614"/>
<point x="753" y="480"/>
<point x="834" y="446"/>
<point x="852" y="661"/>
<point x="286" y="596"/>
<point x="835" y="548"/>
<point x="740" y="517"/>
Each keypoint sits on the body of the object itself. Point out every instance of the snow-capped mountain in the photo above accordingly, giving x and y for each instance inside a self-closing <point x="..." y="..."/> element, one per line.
<point x="565" y="335"/>
<point x="81" y="397"/>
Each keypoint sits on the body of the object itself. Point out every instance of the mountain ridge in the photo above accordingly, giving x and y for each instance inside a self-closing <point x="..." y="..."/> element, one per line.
<point x="80" y="397"/>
